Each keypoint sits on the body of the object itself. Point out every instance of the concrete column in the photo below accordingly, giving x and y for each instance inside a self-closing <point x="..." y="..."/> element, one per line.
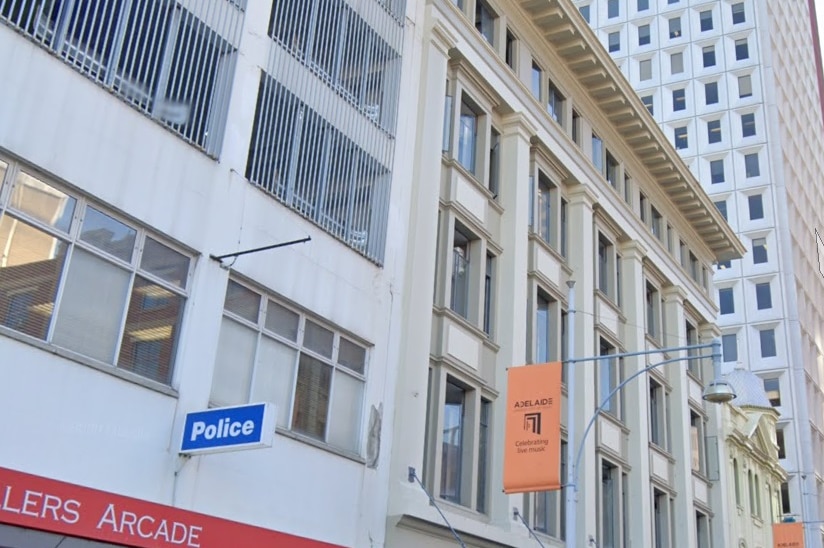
<point x="410" y="413"/>
<point x="512" y="286"/>
<point x="636" y="393"/>
<point x="581" y="259"/>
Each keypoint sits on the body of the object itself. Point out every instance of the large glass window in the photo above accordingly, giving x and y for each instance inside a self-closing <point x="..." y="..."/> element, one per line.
<point x="706" y="20"/>
<point x="658" y="414"/>
<point x="454" y="414"/>
<point x="612" y="8"/>
<point x="315" y="375"/>
<point x="609" y="376"/>
<point x="76" y="276"/>
<point x="468" y="135"/>
<point x="555" y="103"/>
<point x="461" y="265"/>
<point x="697" y="446"/>
<point x="485" y="21"/>
<point x="738" y="13"/>
<point x="675" y="27"/>
<point x="726" y="300"/>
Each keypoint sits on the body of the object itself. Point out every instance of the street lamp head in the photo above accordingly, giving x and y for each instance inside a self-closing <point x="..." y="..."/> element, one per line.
<point x="719" y="391"/>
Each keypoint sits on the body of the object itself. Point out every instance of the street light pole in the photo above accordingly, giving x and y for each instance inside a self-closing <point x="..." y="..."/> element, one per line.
<point x="717" y="391"/>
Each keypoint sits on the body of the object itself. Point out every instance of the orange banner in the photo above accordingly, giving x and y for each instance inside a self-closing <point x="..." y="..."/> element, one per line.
<point x="532" y="441"/>
<point x="788" y="535"/>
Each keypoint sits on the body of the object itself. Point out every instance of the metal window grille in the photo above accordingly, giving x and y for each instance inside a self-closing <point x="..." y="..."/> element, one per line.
<point x="174" y="61"/>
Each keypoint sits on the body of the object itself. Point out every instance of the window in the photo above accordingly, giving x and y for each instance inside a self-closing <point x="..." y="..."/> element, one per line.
<point x="729" y="347"/>
<point x="606" y="265"/>
<point x="489" y="290"/>
<point x="647" y="101"/>
<point x="313" y="373"/>
<point x="548" y="316"/>
<point x="698" y="451"/>
<point x="537" y="78"/>
<point x="483" y="454"/>
<point x="767" y="338"/>
<point x="786" y="507"/>
<point x="485" y="21"/>
<point x="756" y="206"/>
<point x="549" y="507"/>
<point x="610" y="507"/>
<point x="753" y="488"/>
<point x="612" y="171"/>
<point x="679" y="99"/>
<point x="653" y="309"/>
<point x="702" y="530"/>
<point x="706" y="20"/>
<point x="656" y="223"/>
<point x="692" y="339"/>
<point x="576" y="128"/>
<point x="779" y="432"/>
<point x="563" y="228"/>
<point x="751" y="166"/>
<point x="721" y="205"/>
<point x="745" y="86"/>
<point x="717" y="171"/>
<point x="658" y="414"/>
<point x="494" y="161"/>
<point x="723" y="265"/>
<point x="461" y="265"/>
<point x="772" y="387"/>
<point x="726" y="300"/>
<point x="446" y="138"/>
<point x="711" y="93"/>
<point x="661" y="518"/>
<point x="681" y="140"/>
<point x="643" y="35"/>
<point x="645" y="69"/>
<point x="157" y="56"/>
<point x="555" y="103"/>
<point x="738" y="15"/>
<point x="454" y="441"/>
<point x="75" y="276"/>
<point x="643" y="5"/>
<point x="759" y="250"/>
<point x="675" y="27"/>
<point x="468" y="135"/>
<point x="736" y="474"/>
<point x="584" y="10"/>
<point x="709" y="56"/>
<point x="511" y="50"/>
<point x="741" y="49"/>
<point x="763" y="296"/>
<point x="614" y="41"/>
<point x="597" y="153"/>
<point x="546" y="192"/>
<point x="748" y="124"/>
<point x="612" y="8"/>
<point x="714" y="131"/>
<point x="609" y="377"/>
<point x="643" y="203"/>
<point x="677" y="63"/>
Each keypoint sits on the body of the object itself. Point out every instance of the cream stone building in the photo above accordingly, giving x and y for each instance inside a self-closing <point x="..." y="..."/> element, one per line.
<point x="537" y="164"/>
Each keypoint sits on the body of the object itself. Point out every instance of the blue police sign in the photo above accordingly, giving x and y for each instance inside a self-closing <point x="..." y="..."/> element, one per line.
<point x="229" y="429"/>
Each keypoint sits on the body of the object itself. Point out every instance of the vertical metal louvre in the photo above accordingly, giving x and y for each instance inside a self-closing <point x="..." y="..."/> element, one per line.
<point x="323" y="137"/>
<point x="173" y="60"/>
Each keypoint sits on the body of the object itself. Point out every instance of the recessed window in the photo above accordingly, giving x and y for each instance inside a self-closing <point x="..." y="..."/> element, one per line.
<point x="537" y="79"/>
<point x="597" y="153"/>
<point x="708" y="53"/>
<point x="454" y="441"/>
<point x="738" y="14"/>
<point x="748" y="124"/>
<point x="468" y="136"/>
<point x="763" y="296"/>
<point x="643" y="35"/>
<point x="677" y="63"/>
<point x="706" y="20"/>
<point x="675" y="27"/>
<point x="699" y="455"/>
<point x="494" y="161"/>
<point x="576" y="128"/>
<point x="461" y="271"/>
<point x="779" y="431"/>
<point x="614" y="41"/>
<point x="658" y="414"/>
<point x="744" y="86"/>
<point x="653" y="311"/>
<point x="767" y="338"/>
<point x="729" y="347"/>
<point x="714" y="131"/>
<point x="584" y="10"/>
<point x="711" y="93"/>
<point x="485" y="21"/>
<point x="742" y="50"/>
<point x="721" y="206"/>
<point x="555" y="103"/>
<point x="645" y="69"/>
<point x="717" y="171"/>
<point x="751" y="166"/>
<point x="756" y="205"/>
<point x="759" y="251"/>
<point x="647" y="100"/>
<point x="681" y="139"/>
<point x="679" y="99"/>
<point x="612" y="171"/>
<point x="511" y="49"/>
<point x="643" y="5"/>
<point x="612" y="8"/>
<point x="726" y="300"/>
<point x="489" y="289"/>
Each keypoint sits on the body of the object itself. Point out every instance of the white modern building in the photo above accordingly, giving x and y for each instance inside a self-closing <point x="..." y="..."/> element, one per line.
<point x="736" y="86"/>
<point x="139" y="140"/>
<point x="547" y="168"/>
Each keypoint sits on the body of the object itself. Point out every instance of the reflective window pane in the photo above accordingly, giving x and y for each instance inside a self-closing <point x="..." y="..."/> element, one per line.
<point x="242" y="301"/>
<point x="345" y="415"/>
<point x="165" y="263"/>
<point x="43" y="202"/>
<point x="152" y="325"/>
<point x="274" y="377"/>
<point x="233" y="365"/>
<point x="91" y="308"/>
<point x="108" y="234"/>
<point x="311" y="406"/>
<point x="31" y="263"/>
<point x="282" y="321"/>
<point x="318" y="339"/>
<point x="351" y="355"/>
